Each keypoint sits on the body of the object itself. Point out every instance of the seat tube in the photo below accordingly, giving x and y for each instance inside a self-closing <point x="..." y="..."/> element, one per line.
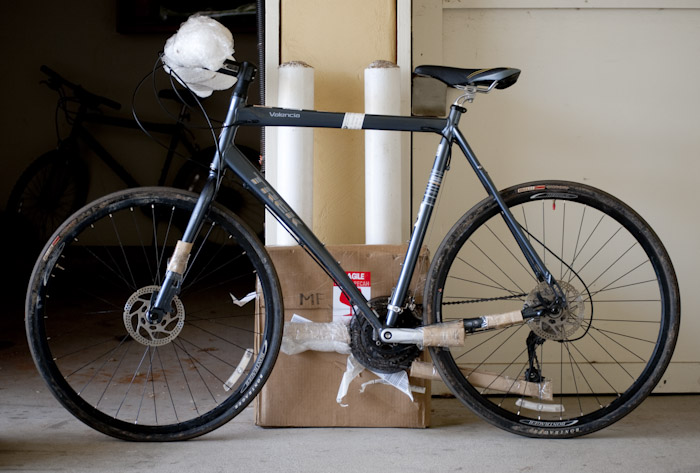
<point x="425" y="211"/>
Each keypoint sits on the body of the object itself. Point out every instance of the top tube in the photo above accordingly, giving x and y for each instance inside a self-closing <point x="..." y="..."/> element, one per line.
<point x="271" y="116"/>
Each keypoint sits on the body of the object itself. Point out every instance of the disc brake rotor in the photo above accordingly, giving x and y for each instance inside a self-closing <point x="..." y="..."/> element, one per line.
<point x="561" y="326"/>
<point x="145" y="332"/>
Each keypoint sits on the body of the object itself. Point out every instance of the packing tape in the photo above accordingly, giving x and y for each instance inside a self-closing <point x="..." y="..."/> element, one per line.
<point x="178" y="262"/>
<point x="448" y="334"/>
<point x="240" y="369"/>
<point x="491" y="381"/>
<point x="503" y="320"/>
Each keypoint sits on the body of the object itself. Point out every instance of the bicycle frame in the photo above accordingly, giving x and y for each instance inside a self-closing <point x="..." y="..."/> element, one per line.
<point x="240" y="114"/>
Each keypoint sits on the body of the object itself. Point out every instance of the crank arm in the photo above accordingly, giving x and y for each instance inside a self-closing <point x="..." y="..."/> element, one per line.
<point x="447" y="334"/>
<point x="452" y="334"/>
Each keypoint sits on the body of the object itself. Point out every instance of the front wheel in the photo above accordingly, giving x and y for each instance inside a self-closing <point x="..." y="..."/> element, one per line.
<point x="124" y="376"/>
<point x="564" y="374"/>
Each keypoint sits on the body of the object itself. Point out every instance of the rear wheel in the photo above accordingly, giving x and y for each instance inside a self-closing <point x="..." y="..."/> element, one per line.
<point x="564" y="374"/>
<point x="131" y="379"/>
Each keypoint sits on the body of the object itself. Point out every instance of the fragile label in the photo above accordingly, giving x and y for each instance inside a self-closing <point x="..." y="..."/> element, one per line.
<point x="342" y="308"/>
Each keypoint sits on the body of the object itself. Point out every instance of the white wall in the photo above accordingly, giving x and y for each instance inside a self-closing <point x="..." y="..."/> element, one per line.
<point x="608" y="97"/>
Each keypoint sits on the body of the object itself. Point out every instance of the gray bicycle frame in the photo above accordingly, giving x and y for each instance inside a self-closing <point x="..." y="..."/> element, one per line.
<point x="240" y="114"/>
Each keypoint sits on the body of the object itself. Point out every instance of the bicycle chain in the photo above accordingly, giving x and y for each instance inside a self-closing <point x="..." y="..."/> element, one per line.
<point x="502" y="298"/>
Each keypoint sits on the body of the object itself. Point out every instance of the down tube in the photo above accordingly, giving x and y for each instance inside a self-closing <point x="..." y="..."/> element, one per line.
<point x="264" y="192"/>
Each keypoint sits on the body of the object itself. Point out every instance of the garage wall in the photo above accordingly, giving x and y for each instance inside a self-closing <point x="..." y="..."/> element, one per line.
<point x="79" y="40"/>
<point x="608" y="97"/>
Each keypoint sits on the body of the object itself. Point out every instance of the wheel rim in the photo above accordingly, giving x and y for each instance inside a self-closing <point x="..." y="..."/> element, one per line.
<point x="596" y="359"/>
<point x="118" y="373"/>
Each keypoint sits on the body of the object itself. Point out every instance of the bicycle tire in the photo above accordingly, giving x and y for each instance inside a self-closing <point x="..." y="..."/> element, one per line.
<point x="122" y="376"/>
<point x="602" y="356"/>
<point x="53" y="187"/>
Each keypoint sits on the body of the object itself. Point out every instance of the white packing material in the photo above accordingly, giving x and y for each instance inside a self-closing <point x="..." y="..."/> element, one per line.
<point x="194" y="54"/>
<point x="241" y="302"/>
<point x="398" y="380"/>
<point x="295" y="147"/>
<point x="353" y="369"/>
<point x="382" y="156"/>
<point x="300" y="335"/>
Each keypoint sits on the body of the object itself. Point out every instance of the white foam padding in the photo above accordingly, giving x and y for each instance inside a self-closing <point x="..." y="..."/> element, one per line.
<point x="197" y="51"/>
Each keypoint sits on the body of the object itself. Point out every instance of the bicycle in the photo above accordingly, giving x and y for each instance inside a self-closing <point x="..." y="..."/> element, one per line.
<point x="56" y="184"/>
<point x="551" y="308"/>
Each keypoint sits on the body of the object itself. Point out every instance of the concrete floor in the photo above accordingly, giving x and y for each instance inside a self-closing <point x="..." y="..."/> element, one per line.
<point x="36" y="434"/>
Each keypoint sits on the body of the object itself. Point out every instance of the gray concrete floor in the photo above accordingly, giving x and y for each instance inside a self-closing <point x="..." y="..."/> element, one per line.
<point x="36" y="434"/>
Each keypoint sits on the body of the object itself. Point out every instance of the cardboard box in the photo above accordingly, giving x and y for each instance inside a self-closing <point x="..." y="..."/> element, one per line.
<point x="302" y="388"/>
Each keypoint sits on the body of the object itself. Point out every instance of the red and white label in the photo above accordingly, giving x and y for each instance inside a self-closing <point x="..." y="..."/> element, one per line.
<point x="342" y="308"/>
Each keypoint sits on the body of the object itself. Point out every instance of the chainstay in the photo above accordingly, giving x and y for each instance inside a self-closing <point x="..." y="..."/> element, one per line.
<point x="491" y="299"/>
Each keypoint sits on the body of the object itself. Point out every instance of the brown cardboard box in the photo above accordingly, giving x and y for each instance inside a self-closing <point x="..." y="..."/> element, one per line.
<point x="302" y="388"/>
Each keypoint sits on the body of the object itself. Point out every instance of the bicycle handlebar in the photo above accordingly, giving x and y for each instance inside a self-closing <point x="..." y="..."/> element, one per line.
<point x="90" y="99"/>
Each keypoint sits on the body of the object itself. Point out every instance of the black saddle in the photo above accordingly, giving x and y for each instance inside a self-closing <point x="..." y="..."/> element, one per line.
<point x="455" y="77"/>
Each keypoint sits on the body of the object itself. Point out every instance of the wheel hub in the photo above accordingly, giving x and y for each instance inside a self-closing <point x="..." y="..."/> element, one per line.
<point x="145" y="332"/>
<point x="563" y="324"/>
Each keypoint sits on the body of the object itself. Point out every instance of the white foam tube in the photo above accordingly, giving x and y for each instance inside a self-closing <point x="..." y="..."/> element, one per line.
<point x="383" y="199"/>
<point x="295" y="146"/>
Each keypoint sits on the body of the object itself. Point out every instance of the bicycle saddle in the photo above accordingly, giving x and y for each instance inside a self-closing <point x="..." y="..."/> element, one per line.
<point x="456" y="77"/>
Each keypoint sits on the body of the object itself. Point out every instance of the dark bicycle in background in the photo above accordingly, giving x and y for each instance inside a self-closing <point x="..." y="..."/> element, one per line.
<point x="56" y="183"/>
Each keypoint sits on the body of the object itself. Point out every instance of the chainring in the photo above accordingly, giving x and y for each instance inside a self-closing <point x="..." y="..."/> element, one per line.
<point x="375" y="355"/>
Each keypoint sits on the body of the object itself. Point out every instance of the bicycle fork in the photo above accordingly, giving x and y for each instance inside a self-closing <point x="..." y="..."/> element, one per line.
<point x="177" y="265"/>
<point x="178" y="261"/>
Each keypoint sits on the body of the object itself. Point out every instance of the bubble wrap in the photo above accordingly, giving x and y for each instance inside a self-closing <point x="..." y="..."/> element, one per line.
<point x="196" y="52"/>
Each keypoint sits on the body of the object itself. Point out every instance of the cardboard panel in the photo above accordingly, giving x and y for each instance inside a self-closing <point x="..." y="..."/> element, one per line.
<point x="302" y="389"/>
